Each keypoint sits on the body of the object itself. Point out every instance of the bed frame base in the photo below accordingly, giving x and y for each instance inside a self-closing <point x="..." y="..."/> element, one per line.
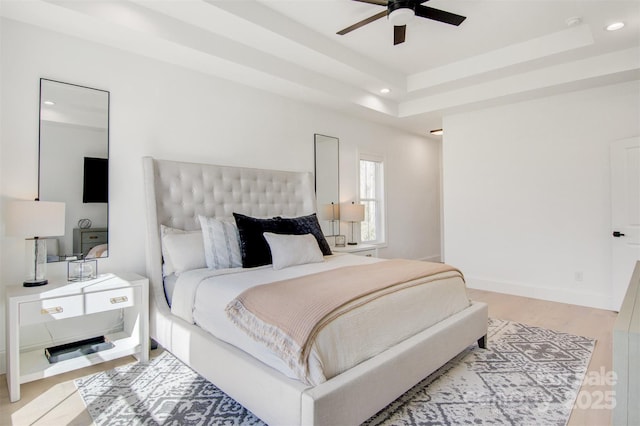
<point x="347" y="399"/>
<point x="355" y="395"/>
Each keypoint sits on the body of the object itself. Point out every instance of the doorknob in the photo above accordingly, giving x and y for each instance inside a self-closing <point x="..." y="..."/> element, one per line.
<point x="618" y="234"/>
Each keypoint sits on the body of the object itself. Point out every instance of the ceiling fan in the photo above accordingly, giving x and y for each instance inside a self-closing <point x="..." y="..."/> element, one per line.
<point x="400" y="12"/>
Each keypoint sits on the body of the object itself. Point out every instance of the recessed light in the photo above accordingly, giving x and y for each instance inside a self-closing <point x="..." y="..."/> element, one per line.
<point x="50" y="103"/>
<point x="615" y="26"/>
<point x="385" y="90"/>
<point x="436" y="132"/>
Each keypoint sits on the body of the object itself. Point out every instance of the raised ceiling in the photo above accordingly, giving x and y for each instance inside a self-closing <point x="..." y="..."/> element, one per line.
<point x="505" y="51"/>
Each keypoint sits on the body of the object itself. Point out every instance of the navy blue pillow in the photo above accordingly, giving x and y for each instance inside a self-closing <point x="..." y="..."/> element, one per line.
<point x="255" y="249"/>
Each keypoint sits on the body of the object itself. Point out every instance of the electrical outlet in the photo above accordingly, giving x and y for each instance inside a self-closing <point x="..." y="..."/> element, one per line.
<point x="578" y="276"/>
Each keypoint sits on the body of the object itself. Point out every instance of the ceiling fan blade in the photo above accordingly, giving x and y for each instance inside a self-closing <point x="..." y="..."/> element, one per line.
<point x="363" y="22"/>
<point x="378" y="2"/>
<point x="398" y="34"/>
<point x="439" y="15"/>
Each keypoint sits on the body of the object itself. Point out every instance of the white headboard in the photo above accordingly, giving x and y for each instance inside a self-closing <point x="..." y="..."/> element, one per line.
<point x="177" y="192"/>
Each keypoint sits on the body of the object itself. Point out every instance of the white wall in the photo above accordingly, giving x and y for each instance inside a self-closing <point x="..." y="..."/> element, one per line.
<point x="168" y="112"/>
<point x="527" y="193"/>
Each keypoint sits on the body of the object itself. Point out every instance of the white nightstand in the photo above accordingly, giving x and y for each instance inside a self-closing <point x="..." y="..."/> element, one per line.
<point x="368" y="250"/>
<point x="30" y="306"/>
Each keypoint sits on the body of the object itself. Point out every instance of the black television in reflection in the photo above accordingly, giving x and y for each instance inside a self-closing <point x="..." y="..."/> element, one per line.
<point x="95" y="188"/>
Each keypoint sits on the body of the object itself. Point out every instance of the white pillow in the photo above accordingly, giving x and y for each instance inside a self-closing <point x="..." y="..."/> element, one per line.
<point x="181" y="250"/>
<point x="221" y="243"/>
<point x="290" y="250"/>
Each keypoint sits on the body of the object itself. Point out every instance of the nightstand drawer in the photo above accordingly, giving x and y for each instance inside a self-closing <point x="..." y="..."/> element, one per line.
<point x="367" y="250"/>
<point x="94" y="237"/>
<point x="51" y="309"/>
<point x="101" y="301"/>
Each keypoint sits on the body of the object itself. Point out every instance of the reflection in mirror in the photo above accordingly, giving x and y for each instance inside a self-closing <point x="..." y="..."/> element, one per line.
<point x="327" y="183"/>
<point x="73" y="166"/>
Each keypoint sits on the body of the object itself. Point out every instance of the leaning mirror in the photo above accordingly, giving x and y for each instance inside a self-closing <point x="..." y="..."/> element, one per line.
<point x="74" y="166"/>
<point x="327" y="183"/>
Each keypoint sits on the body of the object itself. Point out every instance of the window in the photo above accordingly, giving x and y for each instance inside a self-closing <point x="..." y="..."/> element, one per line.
<point x="372" y="196"/>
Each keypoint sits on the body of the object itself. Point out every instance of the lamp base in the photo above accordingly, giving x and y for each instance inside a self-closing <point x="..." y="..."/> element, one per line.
<point x="34" y="283"/>
<point x="353" y="244"/>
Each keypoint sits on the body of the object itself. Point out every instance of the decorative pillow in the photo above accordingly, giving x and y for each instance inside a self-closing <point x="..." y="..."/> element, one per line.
<point x="167" y="266"/>
<point x="306" y="225"/>
<point x="181" y="250"/>
<point x="253" y="247"/>
<point x="291" y="250"/>
<point x="221" y="243"/>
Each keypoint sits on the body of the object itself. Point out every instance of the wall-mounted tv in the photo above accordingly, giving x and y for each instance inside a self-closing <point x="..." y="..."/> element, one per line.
<point x="95" y="187"/>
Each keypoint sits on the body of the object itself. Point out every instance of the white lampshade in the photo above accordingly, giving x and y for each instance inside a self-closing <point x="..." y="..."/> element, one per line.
<point x="35" y="219"/>
<point x="353" y="212"/>
<point x="329" y="212"/>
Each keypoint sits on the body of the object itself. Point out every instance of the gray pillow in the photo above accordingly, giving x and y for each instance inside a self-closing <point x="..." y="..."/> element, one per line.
<point x="221" y="243"/>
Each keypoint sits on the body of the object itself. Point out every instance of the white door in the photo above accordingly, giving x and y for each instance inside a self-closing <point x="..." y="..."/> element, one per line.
<point x="625" y="214"/>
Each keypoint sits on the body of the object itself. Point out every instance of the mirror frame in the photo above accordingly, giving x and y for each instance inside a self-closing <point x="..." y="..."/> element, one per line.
<point x="69" y="255"/>
<point x="327" y="180"/>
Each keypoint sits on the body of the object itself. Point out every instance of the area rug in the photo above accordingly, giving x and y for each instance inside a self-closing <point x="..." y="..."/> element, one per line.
<point x="527" y="376"/>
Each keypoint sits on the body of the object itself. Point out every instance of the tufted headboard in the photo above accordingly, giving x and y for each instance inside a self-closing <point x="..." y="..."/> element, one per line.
<point x="177" y="192"/>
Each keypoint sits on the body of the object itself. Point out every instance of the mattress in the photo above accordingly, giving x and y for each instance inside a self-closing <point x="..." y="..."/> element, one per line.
<point x="201" y="296"/>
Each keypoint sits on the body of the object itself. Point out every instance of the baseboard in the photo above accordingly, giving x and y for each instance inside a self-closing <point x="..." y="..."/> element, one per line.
<point x="561" y="295"/>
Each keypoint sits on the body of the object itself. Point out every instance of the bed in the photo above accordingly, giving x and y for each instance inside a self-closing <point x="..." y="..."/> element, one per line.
<point x="176" y="194"/>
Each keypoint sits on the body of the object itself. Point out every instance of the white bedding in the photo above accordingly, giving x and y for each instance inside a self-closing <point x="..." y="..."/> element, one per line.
<point x="201" y="296"/>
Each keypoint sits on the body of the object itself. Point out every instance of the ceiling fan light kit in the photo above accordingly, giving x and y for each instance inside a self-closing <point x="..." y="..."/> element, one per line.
<point x="401" y="12"/>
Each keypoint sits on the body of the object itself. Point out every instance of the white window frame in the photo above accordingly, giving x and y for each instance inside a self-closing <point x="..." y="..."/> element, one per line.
<point x="381" y="223"/>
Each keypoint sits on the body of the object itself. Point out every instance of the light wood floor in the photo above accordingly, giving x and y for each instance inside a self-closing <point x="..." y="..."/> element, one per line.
<point x="55" y="401"/>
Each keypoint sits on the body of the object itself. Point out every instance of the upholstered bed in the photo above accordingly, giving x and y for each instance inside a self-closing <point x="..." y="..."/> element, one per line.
<point x="176" y="195"/>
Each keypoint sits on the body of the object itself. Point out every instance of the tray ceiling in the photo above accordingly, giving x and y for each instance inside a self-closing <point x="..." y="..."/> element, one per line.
<point x="505" y="51"/>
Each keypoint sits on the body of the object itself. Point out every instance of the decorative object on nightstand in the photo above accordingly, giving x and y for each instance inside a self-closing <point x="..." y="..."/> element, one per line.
<point x="84" y="223"/>
<point x="353" y="213"/>
<point x="340" y="241"/>
<point x="82" y="270"/>
<point x="35" y="219"/>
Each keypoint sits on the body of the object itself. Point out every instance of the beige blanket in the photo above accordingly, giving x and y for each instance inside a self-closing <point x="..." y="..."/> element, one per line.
<point x="286" y="316"/>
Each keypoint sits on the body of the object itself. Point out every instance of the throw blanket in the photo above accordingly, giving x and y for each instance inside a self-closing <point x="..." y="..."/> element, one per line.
<point x="286" y="316"/>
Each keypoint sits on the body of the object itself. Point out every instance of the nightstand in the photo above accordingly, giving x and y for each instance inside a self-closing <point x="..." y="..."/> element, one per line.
<point x="70" y="304"/>
<point x="85" y="239"/>
<point x="368" y="250"/>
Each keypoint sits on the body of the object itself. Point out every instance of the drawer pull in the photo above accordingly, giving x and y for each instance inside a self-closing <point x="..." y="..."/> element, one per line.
<point x="47" y="311"/>
<point x="120" y="299"/>
<point x="93" y="237"/>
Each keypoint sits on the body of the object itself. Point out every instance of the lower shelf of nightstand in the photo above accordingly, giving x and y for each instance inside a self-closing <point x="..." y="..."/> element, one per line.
<point x="34" y="364"/>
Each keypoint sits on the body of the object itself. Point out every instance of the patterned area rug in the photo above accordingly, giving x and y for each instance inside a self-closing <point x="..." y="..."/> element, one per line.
<point x="527" y="376"/>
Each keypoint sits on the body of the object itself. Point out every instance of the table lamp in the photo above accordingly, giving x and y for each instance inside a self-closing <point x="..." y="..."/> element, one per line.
<point x="331" y="213"/>
<point x="353" y="213"/>
<point x="35" y="219"/>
